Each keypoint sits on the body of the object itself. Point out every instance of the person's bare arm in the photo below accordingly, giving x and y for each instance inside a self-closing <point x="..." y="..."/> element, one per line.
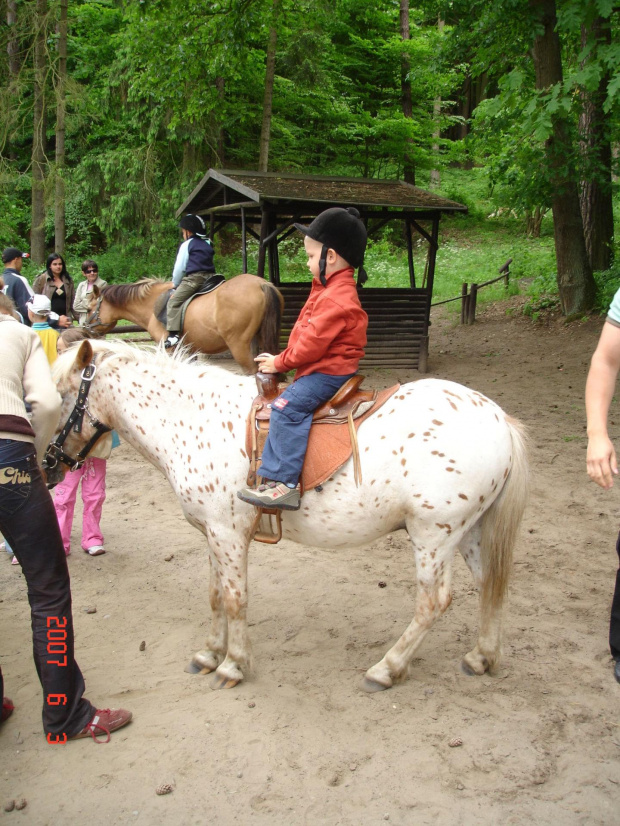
<point x="601" y="457"/>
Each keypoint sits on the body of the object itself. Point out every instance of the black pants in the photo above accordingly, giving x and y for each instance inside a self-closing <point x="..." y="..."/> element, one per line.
<point x="614" y="625"/>
<point x="28" y="521"/>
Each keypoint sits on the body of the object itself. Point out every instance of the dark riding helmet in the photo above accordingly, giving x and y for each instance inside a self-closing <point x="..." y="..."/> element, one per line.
<point x="193" y="224"/>
<point x="341" y="230"/>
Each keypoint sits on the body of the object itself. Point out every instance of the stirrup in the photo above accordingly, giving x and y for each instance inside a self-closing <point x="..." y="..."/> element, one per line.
<point x="171" y="341"/>
<point x="272" y="534"/>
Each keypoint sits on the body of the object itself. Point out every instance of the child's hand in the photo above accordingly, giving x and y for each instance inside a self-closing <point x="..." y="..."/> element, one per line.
<point x="266" y="363"/>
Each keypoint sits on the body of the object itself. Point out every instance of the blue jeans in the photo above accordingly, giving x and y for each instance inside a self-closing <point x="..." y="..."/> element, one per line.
<point x="28" y="521"/>
<point x="614" y="624"/>
<point x="289" y="429"/>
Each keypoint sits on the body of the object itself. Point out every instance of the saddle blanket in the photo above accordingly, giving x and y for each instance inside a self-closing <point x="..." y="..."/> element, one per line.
<point x="161" y="312"/>
<point x="329" y="445"/>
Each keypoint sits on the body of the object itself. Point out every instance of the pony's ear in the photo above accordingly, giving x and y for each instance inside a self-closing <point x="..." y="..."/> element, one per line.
<point x="96" y="291"/>
<point x="84" y="355"/>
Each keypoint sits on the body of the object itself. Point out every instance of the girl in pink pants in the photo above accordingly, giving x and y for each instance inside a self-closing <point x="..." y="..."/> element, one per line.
<point x="92" y="474"/>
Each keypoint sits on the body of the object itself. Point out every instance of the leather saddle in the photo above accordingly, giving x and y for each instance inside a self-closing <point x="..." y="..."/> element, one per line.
<point x="348" y="404"/>
<point x="328" y="447"/>
<point x="161" y="307"/>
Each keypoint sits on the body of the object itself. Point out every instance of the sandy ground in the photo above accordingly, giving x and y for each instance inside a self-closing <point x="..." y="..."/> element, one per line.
<point x="299" y="742"/>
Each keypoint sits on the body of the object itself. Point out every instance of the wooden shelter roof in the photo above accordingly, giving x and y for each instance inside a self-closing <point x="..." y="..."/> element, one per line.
<point x="221" y="188"/>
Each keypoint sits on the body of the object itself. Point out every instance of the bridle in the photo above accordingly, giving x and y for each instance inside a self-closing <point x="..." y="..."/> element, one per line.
<point x="55" y="452"/>
<point x="95" y="317"/>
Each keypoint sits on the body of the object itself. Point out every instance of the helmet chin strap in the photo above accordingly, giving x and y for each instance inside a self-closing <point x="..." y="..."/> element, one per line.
<point x="323" y="265"/>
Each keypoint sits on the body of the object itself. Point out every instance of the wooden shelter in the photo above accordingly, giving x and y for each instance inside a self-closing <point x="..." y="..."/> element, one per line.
<point x="265" y="205"/>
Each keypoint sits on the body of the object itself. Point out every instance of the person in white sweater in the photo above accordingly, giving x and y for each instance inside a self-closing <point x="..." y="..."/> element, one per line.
<point x="28" y="521"/>
<point x="84" y="291"/>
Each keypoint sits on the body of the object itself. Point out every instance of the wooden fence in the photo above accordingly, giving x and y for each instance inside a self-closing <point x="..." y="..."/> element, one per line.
<point x="469" y="294"/>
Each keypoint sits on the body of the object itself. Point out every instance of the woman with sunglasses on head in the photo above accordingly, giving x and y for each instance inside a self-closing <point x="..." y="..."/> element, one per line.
<point x="56" y="283"/>
<point x="85" y="289"/>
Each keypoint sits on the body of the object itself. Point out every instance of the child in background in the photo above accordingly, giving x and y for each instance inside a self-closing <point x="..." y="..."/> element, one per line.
<point x="92" y="475"/>
<point x="39" y="308"/>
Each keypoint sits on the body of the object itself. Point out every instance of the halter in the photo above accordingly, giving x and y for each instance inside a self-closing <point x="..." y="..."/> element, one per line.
<point x="55" y="453"/>
<point x="94" y="316"/>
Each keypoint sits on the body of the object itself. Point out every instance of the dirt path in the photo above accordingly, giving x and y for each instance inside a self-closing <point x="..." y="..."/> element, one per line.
<point x="299" y="742"/>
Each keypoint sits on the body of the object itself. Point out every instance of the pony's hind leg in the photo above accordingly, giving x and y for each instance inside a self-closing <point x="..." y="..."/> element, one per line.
<point x="243" y="353"/>
<point x="434" y="554"/>
<point x="487" y="653"/>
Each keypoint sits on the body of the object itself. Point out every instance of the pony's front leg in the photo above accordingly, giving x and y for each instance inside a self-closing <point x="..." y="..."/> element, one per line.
<point x="217" y="641"/>
<point x="230" y="551"/>
<point x="434" y="595"/>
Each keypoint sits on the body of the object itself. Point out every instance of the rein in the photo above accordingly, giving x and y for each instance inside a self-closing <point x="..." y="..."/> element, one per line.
<point x="55" y="453"/>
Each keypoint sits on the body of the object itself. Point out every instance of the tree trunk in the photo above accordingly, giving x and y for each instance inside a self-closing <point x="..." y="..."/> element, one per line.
<point x="37" y="229"/>
<point x="61" y="111"/>
<point x="12" y="43"/>
<point x="596" y="195"/>
<point x="574" y="274"/>
<point x="405" y="86"/>
<point x="220" y="85"/>
<point x="435" y="178"/>
<point x="270" y="73"/>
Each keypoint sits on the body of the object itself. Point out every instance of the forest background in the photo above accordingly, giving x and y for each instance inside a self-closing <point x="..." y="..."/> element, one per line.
<point x="112" y="111"/>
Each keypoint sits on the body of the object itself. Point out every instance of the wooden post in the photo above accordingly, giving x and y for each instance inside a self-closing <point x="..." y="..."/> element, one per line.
<point x="423" y="357"/>
<point x="473" y="295"/>
<point x="505" y="269"/>
<point x="464" y="303"/>
<point x="410" y="253"/>
<point x="244" y="243"/>
<point x="262" y="249"/>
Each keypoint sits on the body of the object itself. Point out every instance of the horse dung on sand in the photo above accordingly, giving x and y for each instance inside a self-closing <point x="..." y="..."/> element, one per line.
<point x="242" y="315"/>
<point x="439" y="460"/>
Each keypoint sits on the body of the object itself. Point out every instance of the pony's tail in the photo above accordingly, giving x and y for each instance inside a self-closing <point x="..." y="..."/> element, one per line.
<point x="501" y="522"/>
<point x="268" y="336"/>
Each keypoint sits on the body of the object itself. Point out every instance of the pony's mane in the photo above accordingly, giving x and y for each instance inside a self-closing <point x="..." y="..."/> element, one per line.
<point x="151" y="354"/>
<point x="119" y="295"/>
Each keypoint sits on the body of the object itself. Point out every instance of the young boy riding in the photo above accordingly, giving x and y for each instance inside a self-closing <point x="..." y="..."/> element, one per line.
<point x="325" y="348"/>
<point x="194" y="264"/>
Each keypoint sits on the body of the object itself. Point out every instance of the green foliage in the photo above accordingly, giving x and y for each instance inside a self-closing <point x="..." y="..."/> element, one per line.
<point x="608" y="283"/>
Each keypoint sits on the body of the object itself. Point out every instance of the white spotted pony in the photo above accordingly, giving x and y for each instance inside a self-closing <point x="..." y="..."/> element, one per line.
<point x="438" y="459"/>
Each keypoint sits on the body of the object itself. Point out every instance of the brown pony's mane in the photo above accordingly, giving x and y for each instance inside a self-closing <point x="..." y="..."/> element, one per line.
<point x="119" y="295"/>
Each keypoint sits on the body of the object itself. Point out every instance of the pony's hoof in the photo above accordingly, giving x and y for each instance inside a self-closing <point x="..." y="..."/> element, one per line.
<point x="372" y="686"/>
<point x="474" y="668"/>
<point x="219" y="682"/>
<point x="194" y="668"/>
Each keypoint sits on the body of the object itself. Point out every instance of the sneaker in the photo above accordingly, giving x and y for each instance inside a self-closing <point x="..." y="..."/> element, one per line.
<point x="7" y="709"/>
<point x="15" y="561"/>
<point x="272" y="495"/>
<point x="171" y="341"/>
<point x="104" y="721"/>
<point x="95" y="550"/>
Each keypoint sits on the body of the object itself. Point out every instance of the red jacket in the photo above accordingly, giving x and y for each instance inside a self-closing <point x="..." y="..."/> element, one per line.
<point x="330" y="333"/>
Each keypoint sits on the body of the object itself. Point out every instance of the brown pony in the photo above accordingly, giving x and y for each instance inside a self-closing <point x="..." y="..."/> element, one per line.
<point x="242" y="315"/>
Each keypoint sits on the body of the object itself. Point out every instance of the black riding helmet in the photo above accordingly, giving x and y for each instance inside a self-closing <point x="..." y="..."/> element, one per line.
<point x="341" y="230"/>
<point x="193" y="224"/>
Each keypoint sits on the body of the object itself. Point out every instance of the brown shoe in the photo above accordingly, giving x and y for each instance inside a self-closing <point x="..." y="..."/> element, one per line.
<point x="104" y="721"/>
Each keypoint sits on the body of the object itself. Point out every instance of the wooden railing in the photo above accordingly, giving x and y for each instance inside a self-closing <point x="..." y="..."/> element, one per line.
<point x="469" y="294"/>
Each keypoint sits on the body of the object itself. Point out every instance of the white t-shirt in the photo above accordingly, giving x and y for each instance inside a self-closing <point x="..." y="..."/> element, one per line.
<point x="614" y="310"/>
